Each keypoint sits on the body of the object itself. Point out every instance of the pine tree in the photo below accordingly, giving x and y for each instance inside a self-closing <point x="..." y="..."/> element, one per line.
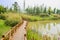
<point x="49" y="10"/>
<point x="15" y="5"/>
<point x="45" y="10"/>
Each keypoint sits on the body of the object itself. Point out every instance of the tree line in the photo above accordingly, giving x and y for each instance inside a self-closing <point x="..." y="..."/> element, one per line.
<point x="36" y="10"/>
<point x="15" y="8"/>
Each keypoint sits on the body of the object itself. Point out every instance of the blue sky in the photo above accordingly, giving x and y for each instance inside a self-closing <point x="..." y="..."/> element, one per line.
<point x="7" y="2"/>
<point x="52" y="3"/>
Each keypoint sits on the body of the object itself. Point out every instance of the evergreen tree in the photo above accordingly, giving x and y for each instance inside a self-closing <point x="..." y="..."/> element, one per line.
<point x="37" y="11"/>
<point x="10" y="9"/>
<point x="58" y="11"/>
<point x="54" y="10"/>
<point x="15" y="5"/>
<point x="45" y="10"/>
<point x="49" y="10"/>
<point x="2" y="9"/>
<point x="41" y="9"/>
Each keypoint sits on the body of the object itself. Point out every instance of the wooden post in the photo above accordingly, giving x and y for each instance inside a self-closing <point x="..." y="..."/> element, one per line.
<point x="3" y="37"/>
<point x="24" y="36"/>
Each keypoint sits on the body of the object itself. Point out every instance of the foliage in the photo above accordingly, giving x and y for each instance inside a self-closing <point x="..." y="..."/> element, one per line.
<point x="2" y="17"/>
<point x="45" y="10"/>
<point x="33" y="11"/>
<point x="54" y="10"/>
<point x="7" y="21"/>
<point x="36" y="10"/>
<point x="12" y="19"/>
<point x="49" y="10"/>
<point x="30" y="18"/>
<point x="58" y="11"/>
<point x="10" y="9"/>
<point x="16" y="7"/>
<point x="44" y="15"/>
<point x="2" y="9"/>
<point x="11" y="22"/>
<point x="34" y="30"/>
<point x="41" y="17"/>
<point x="3" y="27"/>
<point x="31" y="35"/>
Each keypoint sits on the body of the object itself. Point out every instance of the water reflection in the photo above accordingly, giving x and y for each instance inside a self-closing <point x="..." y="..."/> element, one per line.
<point x="52" y="30"/>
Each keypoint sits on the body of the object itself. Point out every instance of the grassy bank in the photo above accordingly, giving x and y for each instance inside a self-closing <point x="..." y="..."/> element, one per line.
<point x="7" y="21"/>
<point x="31" y="35"/>
<point x="39" y="18"/>
<point x="3" y="28"/>
<point x="11" y="19"/>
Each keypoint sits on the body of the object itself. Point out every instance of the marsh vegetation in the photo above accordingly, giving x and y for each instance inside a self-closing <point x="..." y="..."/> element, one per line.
<point x="43" y="22"/>
<point x="43" y="30"/>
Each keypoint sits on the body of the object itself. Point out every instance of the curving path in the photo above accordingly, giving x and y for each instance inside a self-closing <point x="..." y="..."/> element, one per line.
<point x="19" y="35"/>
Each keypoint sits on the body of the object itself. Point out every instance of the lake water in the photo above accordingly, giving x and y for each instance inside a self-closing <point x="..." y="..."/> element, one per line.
<point x="51" y="29"/>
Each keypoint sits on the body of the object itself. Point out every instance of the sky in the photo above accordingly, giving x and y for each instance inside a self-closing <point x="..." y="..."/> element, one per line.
<point x="31" y="3"/>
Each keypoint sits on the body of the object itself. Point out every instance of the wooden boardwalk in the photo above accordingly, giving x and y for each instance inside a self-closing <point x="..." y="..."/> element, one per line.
<point x="20" y="33"/>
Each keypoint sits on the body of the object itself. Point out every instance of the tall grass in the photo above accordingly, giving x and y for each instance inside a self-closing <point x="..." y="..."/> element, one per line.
<point x="34" y="28"/>
<point x="8" y="20"/>
<point x="40" y="18"/>
<point x="11" y="19"/>
<point x="31" y="35"/>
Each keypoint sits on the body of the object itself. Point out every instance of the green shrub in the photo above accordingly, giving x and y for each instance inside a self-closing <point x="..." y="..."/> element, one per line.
<point x="31" y="18"/>
<point x="12" y="19"/>
<point x="11" y="22"/>
<point x="2" y="17"/>
<point x="44" y="15"/>
<point x="55" y="18"/>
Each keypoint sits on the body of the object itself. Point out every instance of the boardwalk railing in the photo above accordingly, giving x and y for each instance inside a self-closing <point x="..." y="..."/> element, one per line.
<point x="10" y="33"/>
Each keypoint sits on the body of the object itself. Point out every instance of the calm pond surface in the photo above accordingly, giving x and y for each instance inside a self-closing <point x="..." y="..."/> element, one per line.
<point x="51" y="29"/>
